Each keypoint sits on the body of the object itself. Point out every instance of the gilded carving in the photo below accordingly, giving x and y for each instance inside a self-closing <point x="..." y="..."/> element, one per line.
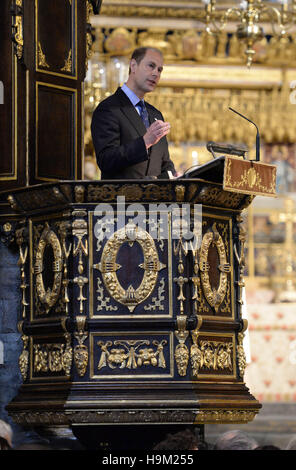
<point x="124" y="416"/>
<point x="225" y="416"/>
<point x="211" y="355"/>
<point x="130" y="297"/>
<point x="216" y="196"/>
<point x="17" y="28"/>
<point x="195" y="352"/>
<point x="80" y="350"/>
<point x="80" y="249"/>
<point x="41" y="57"/>
<point x="19" y="234"/>
<point x="214" y="296"/>
<point x="24" y="358"/>
<point x="103" y="300"/>
<point x="180" y="192"/>
<point x="63" y="227"/>
<point x="181" y="350"/>
<point x="49" y="296"/>
<point x="131" y="354"/>
<point x="240" y="256"/>
<point x="79" y="193"/>
<point x="79" y="229"/>
<point x="53" y="357"/>
<point x="68" y="63"/>
<point x="156" y="302"/>
<point x="241" y="355"/>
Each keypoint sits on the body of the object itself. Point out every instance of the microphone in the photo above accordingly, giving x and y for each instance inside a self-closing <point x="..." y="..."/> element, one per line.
<point x="228" y="149"/>
<point x="257" y="135"/>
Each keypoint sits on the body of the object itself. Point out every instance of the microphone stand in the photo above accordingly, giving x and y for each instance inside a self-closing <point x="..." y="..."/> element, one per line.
<point x="257" y="135"/>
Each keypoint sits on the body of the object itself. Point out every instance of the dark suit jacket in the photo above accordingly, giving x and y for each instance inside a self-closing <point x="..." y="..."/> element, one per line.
<point x="117" y="133"/>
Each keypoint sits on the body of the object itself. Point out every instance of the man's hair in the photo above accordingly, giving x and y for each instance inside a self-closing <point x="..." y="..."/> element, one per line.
<point x="235" y="440"/>
<point x="182" y="440"/>
<point x="140" y="53"/>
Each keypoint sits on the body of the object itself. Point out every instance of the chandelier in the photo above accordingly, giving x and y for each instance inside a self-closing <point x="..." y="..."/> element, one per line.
<point x="251" y="14"/>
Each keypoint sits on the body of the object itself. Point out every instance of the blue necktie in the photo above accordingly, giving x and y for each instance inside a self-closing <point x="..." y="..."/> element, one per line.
<point x="143" y="113"/>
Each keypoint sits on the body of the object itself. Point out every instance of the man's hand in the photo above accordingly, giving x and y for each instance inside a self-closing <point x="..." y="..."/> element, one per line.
<point x="155" y="132"/>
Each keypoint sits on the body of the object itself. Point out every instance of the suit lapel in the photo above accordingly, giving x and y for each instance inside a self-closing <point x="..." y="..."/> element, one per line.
<point x="130" y="112"/>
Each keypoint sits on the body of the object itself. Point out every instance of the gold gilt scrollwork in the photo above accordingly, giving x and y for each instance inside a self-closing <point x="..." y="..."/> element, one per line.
<point x="53" y="357"/>
<point x="213" y="296"/>
<point x="68" y="63"/>
<point x="41" y="57"/>
<point x="130" y="297"/>
<point x="215" y="355"/>
<point x="48" y="297"/>
<point x="131" y="354"/>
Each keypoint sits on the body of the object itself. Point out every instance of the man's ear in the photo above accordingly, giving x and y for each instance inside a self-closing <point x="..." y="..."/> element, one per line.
<point x="133" y="64"/>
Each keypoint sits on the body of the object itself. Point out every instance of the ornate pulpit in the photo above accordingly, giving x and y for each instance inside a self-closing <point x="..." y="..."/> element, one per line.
<point x="131" y="303"/>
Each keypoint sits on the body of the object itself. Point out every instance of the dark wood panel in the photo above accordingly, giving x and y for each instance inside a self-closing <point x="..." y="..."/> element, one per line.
<point x="56" y="56"/>
<point x="7" y="164"/>
<point x="13" y="108"/>
<point x="55" y="132"/>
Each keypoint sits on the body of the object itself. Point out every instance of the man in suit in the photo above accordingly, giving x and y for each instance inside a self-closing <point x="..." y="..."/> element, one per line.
<point x="129" y="135"/>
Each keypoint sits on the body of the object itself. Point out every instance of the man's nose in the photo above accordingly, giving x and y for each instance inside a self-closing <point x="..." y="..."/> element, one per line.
<point x="156" y="72"/>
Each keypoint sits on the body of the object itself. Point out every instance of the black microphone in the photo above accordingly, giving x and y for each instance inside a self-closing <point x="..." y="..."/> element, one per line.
<point x="257" y="135"/>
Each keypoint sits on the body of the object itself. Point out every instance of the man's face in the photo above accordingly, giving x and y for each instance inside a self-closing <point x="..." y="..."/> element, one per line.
<point x="146" y="74"/>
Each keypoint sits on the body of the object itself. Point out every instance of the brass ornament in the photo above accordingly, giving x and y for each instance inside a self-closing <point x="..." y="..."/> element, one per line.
<point x="17" y="28"/>
<point x="240" y="256"/>
<point x="241" y="355"/>
<point x="24" y="357"/>
<point x="41" y="57"/>
<point x="19" y="234"/>
<point x="53" y="357"/>
<point x="181" y="351"/>
<point x="212" y="355"/>
<point x="180" y="192"/>
<point x="50" y="296"/>
<point x="130" y="297"/>
<point x="79" y="230"/>
<point x="80" y="350"/>
<point x="214" y="296"/>
<point x="225" y="416"/>
<point x="195" y="352"/>
<point x="68" y="63"/>
<point x="131" y="354"/>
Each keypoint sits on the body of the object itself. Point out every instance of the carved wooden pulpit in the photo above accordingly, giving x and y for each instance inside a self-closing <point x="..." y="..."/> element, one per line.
<point x="131" y="314"/>
<point x="131" y="291"/>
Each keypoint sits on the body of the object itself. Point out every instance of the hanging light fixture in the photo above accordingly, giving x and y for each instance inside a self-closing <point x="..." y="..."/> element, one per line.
<point x="250" y="13"/>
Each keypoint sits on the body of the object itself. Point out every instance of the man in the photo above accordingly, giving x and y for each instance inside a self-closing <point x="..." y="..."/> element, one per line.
<point x="128" y="143"/>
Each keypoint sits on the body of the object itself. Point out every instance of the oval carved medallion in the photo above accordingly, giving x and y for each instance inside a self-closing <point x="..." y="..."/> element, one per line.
<point x="214" y="296"/>
<point x="108" y="266"/>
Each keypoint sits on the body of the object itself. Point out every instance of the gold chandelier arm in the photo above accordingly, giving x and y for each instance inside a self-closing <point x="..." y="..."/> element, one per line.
<point x="223" y="21"/>
<point x="281" y="16"/>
